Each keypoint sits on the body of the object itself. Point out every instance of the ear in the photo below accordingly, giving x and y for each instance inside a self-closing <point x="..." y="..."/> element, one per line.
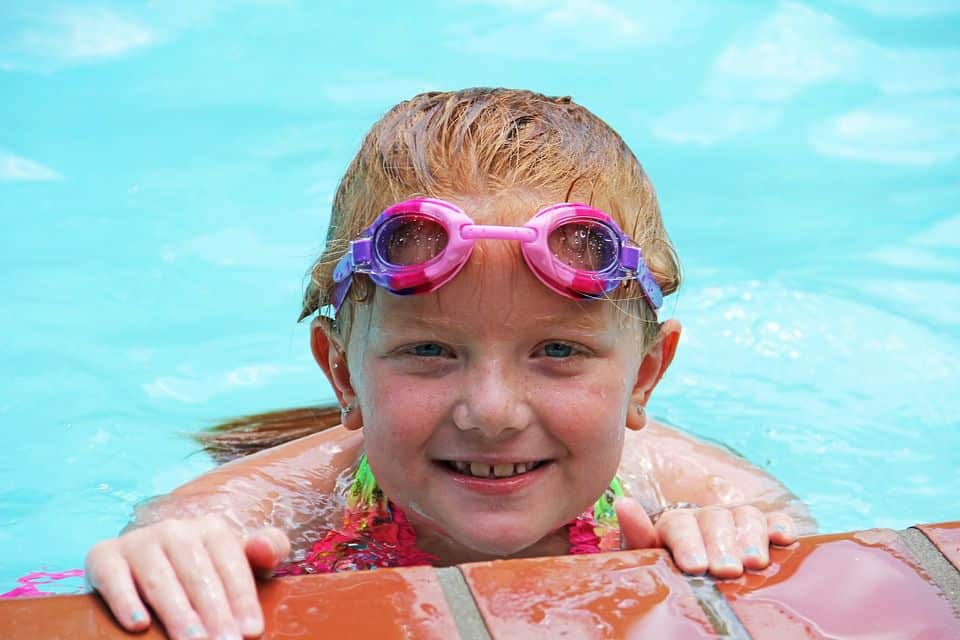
<point x="655" y="362"/>
<point x="331" y="355"/>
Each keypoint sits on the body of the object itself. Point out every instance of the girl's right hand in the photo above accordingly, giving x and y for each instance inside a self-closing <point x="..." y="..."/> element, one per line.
<point x="196" y="574"/>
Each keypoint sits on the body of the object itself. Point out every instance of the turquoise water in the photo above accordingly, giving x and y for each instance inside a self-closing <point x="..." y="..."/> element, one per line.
<point x="166" y="175"/>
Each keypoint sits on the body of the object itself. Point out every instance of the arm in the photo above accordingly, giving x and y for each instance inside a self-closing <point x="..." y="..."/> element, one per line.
<point x="192" y="555"/>
<point x="288" y="487"/>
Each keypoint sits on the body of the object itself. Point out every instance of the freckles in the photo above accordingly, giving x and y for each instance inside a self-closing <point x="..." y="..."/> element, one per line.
<point x="406" y="411"/>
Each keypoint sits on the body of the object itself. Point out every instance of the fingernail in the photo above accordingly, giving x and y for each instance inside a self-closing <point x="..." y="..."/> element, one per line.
<point x="138" y="616"/>
<point x="751" y="551"/>
<point x="697" y="560"/>
<point x="229" y="635"/>
<point x="251" y="626"/>
<point x="728" y="561"/>
<point x="193" y="631"/>
<point x="780" y="528"/>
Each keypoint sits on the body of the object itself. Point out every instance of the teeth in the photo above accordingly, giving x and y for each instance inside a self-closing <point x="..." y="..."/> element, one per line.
<point x="484" y="470"/>
<point x="503" y="470"/>
<point x="480" y="469"/>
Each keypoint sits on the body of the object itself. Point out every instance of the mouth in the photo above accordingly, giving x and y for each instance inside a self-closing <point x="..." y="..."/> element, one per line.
<point x="494" y="471"/>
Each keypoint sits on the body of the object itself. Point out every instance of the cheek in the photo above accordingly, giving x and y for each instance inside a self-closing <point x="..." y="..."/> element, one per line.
<point x="398" y="408"/>
<point x="598" y="413"/>
<point x="591" y="411"/>
<point x="603" y="396"/>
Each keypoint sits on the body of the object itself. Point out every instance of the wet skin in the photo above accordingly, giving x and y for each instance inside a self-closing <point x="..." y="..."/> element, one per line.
<point x="492" y="369"/>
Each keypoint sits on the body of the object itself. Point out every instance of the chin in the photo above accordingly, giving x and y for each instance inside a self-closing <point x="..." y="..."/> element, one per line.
<point x="501" y="539"/>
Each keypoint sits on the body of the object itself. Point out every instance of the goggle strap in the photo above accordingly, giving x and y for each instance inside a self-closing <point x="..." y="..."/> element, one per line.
<point x="651" y="290"/>
<point x="362" y="248"/>
<point x="344" y="268"/>
<point x="630" y="256"/>
<point x="355" y="260"/>
<point x="340" y="290"/>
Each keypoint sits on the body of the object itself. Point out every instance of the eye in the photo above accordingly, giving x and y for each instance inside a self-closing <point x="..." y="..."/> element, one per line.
<point x="428" y="350"/>
<point x="558" y="350"/>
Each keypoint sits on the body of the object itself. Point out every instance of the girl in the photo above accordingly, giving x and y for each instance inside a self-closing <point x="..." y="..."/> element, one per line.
<point x="493" y="346"/>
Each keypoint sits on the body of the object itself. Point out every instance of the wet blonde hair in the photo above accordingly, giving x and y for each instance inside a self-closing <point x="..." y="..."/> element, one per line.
<point x="484" y="142"/>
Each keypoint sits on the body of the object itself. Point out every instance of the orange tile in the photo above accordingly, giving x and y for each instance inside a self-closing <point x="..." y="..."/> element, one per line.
<point x="853" y="585"/>
<point x="62" y="618"/>
<point x="611" y="595"/>
<point x="946" y="536"/>
<point x="382" y="604"/>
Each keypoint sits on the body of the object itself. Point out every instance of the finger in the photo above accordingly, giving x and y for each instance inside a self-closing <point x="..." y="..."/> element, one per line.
<point x="266" y="549"/>
<point x="108" y="572"/>
<point x="720" y="537"/>
<point x="230" y="563"/>
<point x="157" y="581"/>
<point x="636" y="529"/>
<point x="679" y="532"/>
<point x="203" y="585"/>
<point x="781" y="528"/>
<point x="752" y="539"/>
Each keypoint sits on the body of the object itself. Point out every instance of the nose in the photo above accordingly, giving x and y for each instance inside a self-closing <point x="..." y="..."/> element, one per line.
<point x="493" y="400"/>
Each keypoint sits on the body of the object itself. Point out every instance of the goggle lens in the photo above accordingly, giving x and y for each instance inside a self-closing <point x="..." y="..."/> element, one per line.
<point x="588" y="245"/>
<point x="410" y="239"/>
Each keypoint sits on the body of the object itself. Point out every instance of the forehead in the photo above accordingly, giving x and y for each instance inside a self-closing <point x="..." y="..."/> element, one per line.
<point x="494" y="293"/>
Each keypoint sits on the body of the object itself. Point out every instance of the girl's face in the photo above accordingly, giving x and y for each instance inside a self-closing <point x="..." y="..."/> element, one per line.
<point x="493" y="409"/>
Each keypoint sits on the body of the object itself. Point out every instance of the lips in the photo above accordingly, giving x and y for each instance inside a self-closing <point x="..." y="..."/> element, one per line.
<point x="498" y="470"/>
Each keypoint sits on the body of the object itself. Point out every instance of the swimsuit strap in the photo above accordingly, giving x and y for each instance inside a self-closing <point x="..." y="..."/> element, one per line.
<point x="376" y="533"/>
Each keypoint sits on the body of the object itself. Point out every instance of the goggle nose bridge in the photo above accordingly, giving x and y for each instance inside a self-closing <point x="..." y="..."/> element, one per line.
<point x="497" y="232"/>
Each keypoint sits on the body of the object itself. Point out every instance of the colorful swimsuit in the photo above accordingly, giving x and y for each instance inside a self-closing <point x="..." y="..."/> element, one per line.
<point x="376" y="533"/>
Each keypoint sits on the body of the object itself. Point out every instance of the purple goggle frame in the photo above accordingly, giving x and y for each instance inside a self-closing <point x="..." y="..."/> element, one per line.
<point x="418" y="245"/>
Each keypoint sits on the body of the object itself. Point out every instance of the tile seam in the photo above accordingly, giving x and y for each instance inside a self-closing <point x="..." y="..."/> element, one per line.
<point x="721" y="615"/>
<point x="935" y="564"/>
<point x="463" y="606"/>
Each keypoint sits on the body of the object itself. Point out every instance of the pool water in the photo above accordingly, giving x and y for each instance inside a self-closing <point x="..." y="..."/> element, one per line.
<point x="166" y="176"/>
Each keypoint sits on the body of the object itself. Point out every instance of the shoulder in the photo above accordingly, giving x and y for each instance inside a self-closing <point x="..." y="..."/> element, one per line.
<point x="679" y="467"/>
<point x="318" y="459"/>
<point x="688" y="469"/>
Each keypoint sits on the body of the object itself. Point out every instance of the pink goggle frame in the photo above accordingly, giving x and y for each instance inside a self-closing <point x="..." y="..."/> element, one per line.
<point x="418" y="245"/>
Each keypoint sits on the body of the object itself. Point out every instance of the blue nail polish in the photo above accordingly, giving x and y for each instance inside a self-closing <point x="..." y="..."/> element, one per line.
<point x="728" y="561"/>
<point x="780" y="528"/>
<point x="138" y="616"/>
<point x="195" y="632"/>
<point x="751" y="551"/>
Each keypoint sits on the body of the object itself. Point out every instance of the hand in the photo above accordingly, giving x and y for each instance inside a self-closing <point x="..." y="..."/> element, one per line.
<point x="196" y="574"/>
<point x="721" y="540"/>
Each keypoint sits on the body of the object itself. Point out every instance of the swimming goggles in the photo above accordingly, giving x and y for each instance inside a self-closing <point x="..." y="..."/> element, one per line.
<point x="418" y="245"/>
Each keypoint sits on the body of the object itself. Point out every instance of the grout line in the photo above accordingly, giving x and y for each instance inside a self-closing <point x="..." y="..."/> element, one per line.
<point x="936" y="565"/>
<point x="725" y="622"/>
<point x="464" y="607"/>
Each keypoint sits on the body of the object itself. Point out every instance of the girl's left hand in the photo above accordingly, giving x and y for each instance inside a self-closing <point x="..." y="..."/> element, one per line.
<point x="718" y="539"/>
